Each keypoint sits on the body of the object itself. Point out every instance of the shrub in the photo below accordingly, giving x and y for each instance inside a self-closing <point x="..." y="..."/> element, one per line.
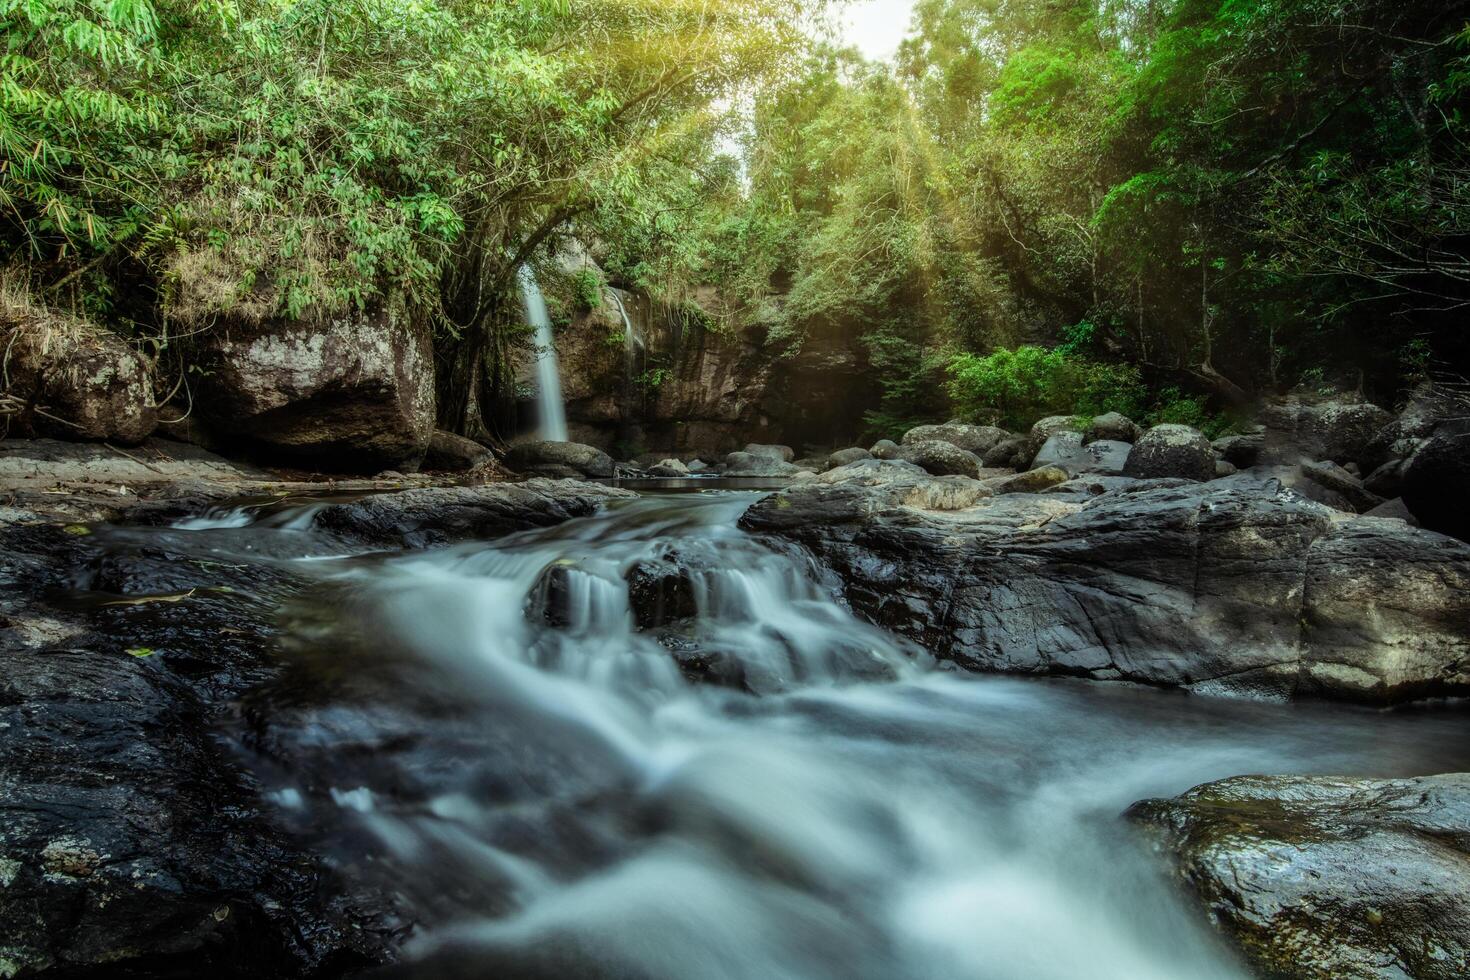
<point x="1014" y="388"/>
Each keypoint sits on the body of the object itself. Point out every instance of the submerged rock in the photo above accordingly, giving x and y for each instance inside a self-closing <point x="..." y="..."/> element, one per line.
<point x="1328" y="879"/>
<point x="1234" y="586"/>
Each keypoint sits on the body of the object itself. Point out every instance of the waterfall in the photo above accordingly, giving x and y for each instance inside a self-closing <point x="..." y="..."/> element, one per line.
<point x="550" y="410"/>
<point x="631" y="342"/>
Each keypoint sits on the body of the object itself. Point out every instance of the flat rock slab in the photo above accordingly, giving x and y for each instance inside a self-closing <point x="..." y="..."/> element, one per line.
<point x="1228" y="587"/>
<point x="1328" y="879"/>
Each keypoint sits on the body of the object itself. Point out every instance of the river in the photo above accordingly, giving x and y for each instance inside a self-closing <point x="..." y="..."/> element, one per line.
<point x="766" y="789"/>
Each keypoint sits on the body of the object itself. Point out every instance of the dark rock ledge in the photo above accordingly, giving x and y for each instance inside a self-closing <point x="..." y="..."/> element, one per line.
<point x="1232" y="586"/>
<point x="133" y="840"/>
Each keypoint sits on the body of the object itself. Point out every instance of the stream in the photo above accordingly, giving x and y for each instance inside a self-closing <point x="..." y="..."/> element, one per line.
<point x="756" y="785"/>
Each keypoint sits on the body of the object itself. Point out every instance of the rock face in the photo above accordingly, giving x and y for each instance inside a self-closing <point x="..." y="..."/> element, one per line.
<point x="79" y="381"/>
<point x="1065" y="450"/>
<point x="566" y="460"/>
<point x="354" y="393"/>
<point x="1436" y="482"/>
<point x="977" y="439"/>
<point x="1235" y="586"/>
<point x="940" y="458"/>
<point x="1328" y="879"/>
<point x="1175" y="451"/>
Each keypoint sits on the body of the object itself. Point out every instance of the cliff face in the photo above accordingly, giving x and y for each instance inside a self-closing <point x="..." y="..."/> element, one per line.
<point x="687" y="380"/>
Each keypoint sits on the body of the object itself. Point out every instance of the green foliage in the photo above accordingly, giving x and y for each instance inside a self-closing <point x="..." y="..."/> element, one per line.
<point x="587" y="287"/>
<point x="1015" y="388"/>
<point x="1173" y="406"/>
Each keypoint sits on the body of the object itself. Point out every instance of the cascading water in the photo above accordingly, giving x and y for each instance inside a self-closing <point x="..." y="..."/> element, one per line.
<point x="551" y="411"/>
<point x="643" y="744"/>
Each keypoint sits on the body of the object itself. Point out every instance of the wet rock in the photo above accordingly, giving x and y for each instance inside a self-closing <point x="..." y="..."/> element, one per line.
<point x="977" y="439"/>
<point x="660" y="593"/>
<point x="560" y="460"/>
<point x="1436" y="484"/>
<point x="1339" y="428"/>
<point x="1234" y="586"/>
<point x="669" y="469"/>
<point x="844" y="456"/>
<point x="354" y="393"/>
<point x="431" y="517"/>
<point x="1032" y="481"/>
<point x="885" y="449"/>
<point x="1113" y="427"/>
<point x="940" y="458"/>
<point x="749" y="465"/>
<point x="80" y="381"/>
<point x="781" y="454"/>
<point x="1341" y="482"/>
<point x="455" y="454"/>
<point x="1324" y="878"/>
<point x="1172" y="451"/>
<point x="1065" y="450"/>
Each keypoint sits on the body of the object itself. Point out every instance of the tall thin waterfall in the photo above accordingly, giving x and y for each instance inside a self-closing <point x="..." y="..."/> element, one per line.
<point x="550" y="410"/>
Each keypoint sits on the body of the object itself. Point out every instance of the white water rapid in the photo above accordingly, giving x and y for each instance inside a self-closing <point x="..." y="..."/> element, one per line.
<point x="551" y="411"/>
<point x="761" y="788"/>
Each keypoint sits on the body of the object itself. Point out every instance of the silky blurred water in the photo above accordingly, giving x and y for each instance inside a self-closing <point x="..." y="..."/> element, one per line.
<point x="554" y="795"/>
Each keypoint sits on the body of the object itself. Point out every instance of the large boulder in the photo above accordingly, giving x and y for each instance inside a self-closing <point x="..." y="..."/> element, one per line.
<point x="1172" y="451"/>
<point x="1044" y="430"/>
<point x="1113" y="427"/>
<point x="1066" y="450"/>
<point x="885" y="449"/>
<point x="560" y="460"/>
<point x="70" y="379"/>
<point x="1436" y="482"/>
<point x="1012" y="453"/>
<point x="782" y="454"/>
<point x="450" y="453"/>
<point x="1323" y="878"/>
<point x="845" y="456"/>
<point x="669" y="469"/>
<point x="752" y="466"/>
<point x="1341" y="482"/>
<point x="353" y="392"/>
<point x="1241" y="450"/>
<point x="1340" y="428"/>
<point x="940" y="458"/>
<point x="1426" y="407"/>
<point x="978" y="439"/>
<point x="1232" y="586"/>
